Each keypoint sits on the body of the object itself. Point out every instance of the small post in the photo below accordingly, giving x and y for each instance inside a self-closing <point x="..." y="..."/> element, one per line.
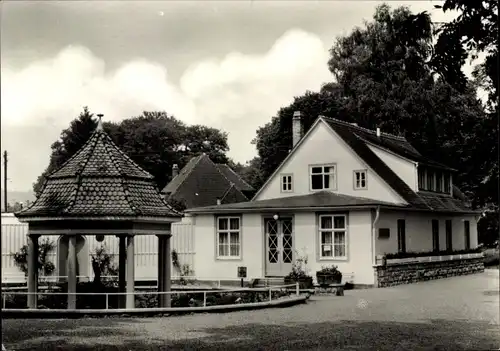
<point x="107" y="304"/>
<point x="270" y="294"/>
<point x="241" y="282"/>
<point x="297" y="288"/>
<point x="204" y="299"/>
<point x="3" y="302"/>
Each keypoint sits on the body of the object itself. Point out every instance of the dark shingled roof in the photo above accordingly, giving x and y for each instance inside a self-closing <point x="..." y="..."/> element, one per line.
<point x="99" y="180"/>
<point x="321" y="199"/>
<point x="357" y="138"/>
<point x="201" y="183"/>
<point x="233" y="177"/>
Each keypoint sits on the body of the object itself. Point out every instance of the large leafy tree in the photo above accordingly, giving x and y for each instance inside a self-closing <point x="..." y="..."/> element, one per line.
<point x="154" y="140"/>
<point x="70" y="141"/>
<point x="474" y="33"/>
<point x="383" y="79"/>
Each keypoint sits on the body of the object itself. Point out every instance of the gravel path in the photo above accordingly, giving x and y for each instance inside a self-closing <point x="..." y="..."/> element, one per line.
<point x="460" y="313"/>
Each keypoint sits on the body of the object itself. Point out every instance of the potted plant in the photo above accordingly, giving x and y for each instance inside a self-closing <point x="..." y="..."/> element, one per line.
<point x="329" y="275"/>
<point x="298" y="274"/>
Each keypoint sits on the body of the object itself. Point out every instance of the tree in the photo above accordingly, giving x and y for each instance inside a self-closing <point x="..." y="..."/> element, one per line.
<point x="44" y="265"/>
<point x="383" y="78"/>
<point x="475" y="31"/>
<point x="154" y="140"/>
<point x="70" y="141"/>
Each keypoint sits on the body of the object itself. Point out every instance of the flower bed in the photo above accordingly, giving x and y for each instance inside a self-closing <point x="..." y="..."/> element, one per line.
<point x="148" y="299"/>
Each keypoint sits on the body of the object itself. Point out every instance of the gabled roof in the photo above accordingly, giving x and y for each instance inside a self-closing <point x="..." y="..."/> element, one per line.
<point x="99" y="180"/>
<point x="201" y="183"/>
<point x="234" y="177"/>
<point x="314" y="201"/>
<point x="358" y="139"/>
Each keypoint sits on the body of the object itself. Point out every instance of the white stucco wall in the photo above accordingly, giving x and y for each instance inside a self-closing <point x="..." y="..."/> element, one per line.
<point x="252" y="249"/>
<point x="405" y="169"/>
<point x="324" y="146"/>
<point x="306" y="242"/>
<point x="419" y="232"/>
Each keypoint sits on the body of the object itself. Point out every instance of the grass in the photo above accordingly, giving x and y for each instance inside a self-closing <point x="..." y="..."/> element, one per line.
<point x="459" y="313"/>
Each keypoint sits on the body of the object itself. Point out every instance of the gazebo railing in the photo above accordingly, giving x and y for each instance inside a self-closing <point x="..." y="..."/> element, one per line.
<point x="202" y="302"/>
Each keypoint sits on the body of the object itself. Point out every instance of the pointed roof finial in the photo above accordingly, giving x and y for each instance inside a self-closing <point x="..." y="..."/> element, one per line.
<point x="99" y="123"/>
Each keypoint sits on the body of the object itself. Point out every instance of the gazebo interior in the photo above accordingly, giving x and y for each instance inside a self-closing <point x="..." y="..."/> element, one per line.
<point x="101" y="191"/>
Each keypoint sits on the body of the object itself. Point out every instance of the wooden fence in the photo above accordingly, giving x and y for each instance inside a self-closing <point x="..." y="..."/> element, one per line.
<point x="146" y="251"/>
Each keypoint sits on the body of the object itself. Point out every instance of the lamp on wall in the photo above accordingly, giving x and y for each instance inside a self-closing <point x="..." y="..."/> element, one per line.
<point x="276" y="217"/>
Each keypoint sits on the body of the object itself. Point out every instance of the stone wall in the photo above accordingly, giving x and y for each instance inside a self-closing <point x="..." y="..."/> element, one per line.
<point x="407" y="273"/>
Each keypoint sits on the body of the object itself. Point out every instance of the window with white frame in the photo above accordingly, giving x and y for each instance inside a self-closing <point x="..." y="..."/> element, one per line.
<point x="323" y="177"/>
<point x="360" y="180"/>
<point x="286" y="183"/>
<point x="333" y="236"/>
<point x="228" y="237"/>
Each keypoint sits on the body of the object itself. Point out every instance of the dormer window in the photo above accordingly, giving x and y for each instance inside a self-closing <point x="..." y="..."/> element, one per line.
<point x="286" y="183"/>
<point x="430" y="180"/>
<point x="360" y="180"/>
<point x="434" y="180"/>
<point x="323" y="177"/>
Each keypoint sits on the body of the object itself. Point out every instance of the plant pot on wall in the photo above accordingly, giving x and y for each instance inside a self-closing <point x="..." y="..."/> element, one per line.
<point x="304" y="282"/>
<point x="328" y="278"/>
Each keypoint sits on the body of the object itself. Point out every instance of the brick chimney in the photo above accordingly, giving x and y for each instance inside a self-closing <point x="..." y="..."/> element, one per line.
<point x="297" y="129"/>
<point x="175" y="170"/>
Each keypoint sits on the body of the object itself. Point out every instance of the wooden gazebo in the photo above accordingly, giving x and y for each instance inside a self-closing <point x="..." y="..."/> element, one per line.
<point x="101" y="191"/>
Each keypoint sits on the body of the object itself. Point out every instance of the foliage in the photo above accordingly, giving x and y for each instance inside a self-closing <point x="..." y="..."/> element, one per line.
<point x="70" y="141"/>
<point x="177" y="205"/>
<point x="102" y="264"/>
<point x="330" y="270"/>
<point x="473" y="31"/>
<point x="430" y="253"/>
<point x="154" y="140"/>
<point x="45" y="266"/>
<point x="299" y="269"/>
<point x="385" y="77"/>
<point x="184" y="270"/>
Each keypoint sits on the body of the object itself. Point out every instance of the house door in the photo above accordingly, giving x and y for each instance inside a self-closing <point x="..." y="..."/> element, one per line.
<point x="279" y="246"/>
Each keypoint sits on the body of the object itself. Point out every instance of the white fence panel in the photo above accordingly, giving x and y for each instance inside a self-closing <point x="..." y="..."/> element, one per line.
<point x="146" y="251"/>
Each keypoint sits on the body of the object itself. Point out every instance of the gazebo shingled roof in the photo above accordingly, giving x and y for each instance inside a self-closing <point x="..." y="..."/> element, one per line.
<point x="99" y="181"/>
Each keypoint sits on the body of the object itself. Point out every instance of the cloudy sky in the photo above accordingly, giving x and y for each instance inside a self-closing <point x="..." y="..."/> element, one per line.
<point x="228" y="64"/>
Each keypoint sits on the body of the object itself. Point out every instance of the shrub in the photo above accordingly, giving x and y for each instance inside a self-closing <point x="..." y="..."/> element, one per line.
<point x="430" y="253"/>
<point x="45" y="267"/>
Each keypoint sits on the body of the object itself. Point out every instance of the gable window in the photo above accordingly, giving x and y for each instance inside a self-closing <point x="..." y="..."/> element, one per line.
<point x="332" y="236"/>
<point x="360" y="180"/>
<point x="228" y="237"/>
<point x="401" y="236"/>
<point x="323" y="177"/>
<point x="286" y="183"/>
<point x="467" y="234"/>
<point x="430" y="180"/>
<point x="421" y="179"/>
<point x="435" y="235"/>
<point x="449" y="236"/>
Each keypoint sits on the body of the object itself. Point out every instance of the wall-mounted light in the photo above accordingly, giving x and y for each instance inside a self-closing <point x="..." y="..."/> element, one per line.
<point x="276" y="217"/>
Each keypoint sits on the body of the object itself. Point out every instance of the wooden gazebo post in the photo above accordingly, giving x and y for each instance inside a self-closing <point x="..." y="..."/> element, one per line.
<point x="100" y="191"/>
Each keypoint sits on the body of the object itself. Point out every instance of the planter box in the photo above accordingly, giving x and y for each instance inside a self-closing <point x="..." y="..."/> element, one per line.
<point x="304" y="283"/>
<point x="423" y="259"/>
<point x="327" y="278"/>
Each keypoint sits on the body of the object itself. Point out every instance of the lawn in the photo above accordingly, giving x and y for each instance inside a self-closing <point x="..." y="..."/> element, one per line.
<point x="458" y="313"/>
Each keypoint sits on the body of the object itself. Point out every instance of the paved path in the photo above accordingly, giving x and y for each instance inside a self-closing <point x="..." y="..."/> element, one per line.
<point x="460" y="313"/>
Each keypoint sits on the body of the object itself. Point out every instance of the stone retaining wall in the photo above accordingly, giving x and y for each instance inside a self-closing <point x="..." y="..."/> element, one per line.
<point x="407" y="273"/>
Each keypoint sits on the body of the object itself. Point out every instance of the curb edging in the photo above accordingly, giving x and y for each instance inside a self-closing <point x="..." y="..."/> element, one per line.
<point x="83" y="313"/>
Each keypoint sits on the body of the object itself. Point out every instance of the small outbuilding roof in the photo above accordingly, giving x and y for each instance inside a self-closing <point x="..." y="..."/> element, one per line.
<point x="99" y="181"/>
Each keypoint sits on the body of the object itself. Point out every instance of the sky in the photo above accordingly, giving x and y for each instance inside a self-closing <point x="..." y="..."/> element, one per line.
<point x="228" y="64"/>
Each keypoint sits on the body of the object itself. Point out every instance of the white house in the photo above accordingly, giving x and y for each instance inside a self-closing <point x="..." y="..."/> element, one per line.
<point x="342" y="196"/>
